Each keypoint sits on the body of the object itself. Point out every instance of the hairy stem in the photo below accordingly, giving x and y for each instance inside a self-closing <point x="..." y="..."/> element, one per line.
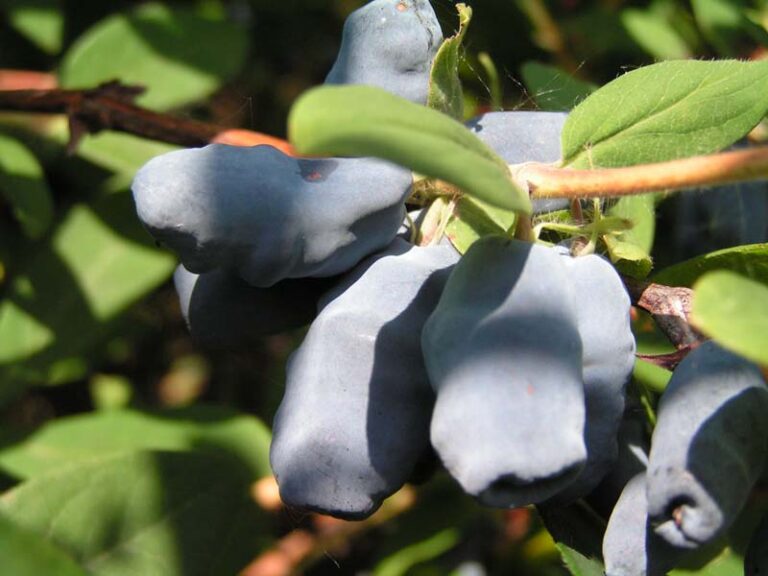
<point x="547" y="181"/>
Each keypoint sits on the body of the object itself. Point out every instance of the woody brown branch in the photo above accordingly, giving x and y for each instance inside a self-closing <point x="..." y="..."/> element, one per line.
<point x="110" y="107"/>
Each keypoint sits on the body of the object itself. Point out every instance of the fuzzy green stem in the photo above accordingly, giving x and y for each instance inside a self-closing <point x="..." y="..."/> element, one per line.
<point x="547" y="181"/>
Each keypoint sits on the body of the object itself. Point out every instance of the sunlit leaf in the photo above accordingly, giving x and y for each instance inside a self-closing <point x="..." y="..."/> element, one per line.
<point x="578" y="564"/>
<point x="23" y="186"/>
<point x="722" y="23"/>
<point x="24" y="553"/>
<point x="665" y="111"/>
<point x="629" y="258"/>
<point x="41" y="21"/>
<point x="367" y="121"/>
<point x="474" y="219"/>
<point x="445" y="92"/>
<point x="641" y="212"/>
<point x="733" y="310"/>
<point x="179" y="56"/>
<point x="62" y="301"/>
<point x="145" y="513"/>
<point x="655" y="34"/>
<point x="750" y="260"/>
<point x="207" y="428"/>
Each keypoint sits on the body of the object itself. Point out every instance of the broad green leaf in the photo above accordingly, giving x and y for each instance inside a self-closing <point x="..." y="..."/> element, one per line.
<point x="473" y="219"/>
<point x="629" y="258"/>
<point x="578" y="564"/>
<point x="733" y="311"/>
<point x="750" y="260"/>
<point x="62" y="302"/>
<point x="179" y="56"/>
<point x="445" y="93"/>
<point x="641" y="211"/>
<point x="208" y="428"/>
<point x="145" y="513"/>
<point x="552" y="89"/>
<point x="665" y="111"/>
<point x="654" y="34"/>
<point x="24" y="553"/>
<point x="23" y="185"/>
<point x="367" y="121"/>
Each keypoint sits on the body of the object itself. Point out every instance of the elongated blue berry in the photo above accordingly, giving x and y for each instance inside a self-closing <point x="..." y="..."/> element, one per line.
<point x="504" y="355"/>
<point x="354" y="420"/>
<point x="269" y="216"/>
<point x="708" y="447"/>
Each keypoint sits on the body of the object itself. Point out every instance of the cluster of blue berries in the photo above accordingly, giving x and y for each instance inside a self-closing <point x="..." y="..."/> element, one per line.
<point x="510" y="362"/>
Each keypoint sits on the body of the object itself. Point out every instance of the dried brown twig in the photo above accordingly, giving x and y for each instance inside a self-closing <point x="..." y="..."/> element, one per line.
<point x="110" y="107"/>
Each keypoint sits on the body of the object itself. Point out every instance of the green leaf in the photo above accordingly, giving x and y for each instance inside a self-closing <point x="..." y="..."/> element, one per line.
<point x="367" y="121"/>
<point x="578" y="564"/>
<point x="445" y="93"/>
<point x="665" y="111"/>
<point x="750" y="260"/>
<point x="728" y="563"/>
<point x="208" y="428"/>
<point x="399" y="563"/>
<point x="24" y="553"/>
<point x="40" y="21"/>
<point x="473" y="219"/>
<point x="654" y="34"/>
<point x="722" y="24"/>
<point x="733" y="311"/>
<point x="121" y="153"/>
<point x="145" y="513"/>
<point x="552" y="89"/>
<point x="641" y="211"/>
<point x="62" y="302"/>
<point x="575" y="526"/>
<point x="179" y="56"/>
<point x="653" y="377"/>
<point x="629" y="258"/>
<point x="23" y="185"/>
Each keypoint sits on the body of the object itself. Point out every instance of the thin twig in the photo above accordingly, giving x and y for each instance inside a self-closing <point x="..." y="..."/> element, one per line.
<point x="110" y="107"/>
